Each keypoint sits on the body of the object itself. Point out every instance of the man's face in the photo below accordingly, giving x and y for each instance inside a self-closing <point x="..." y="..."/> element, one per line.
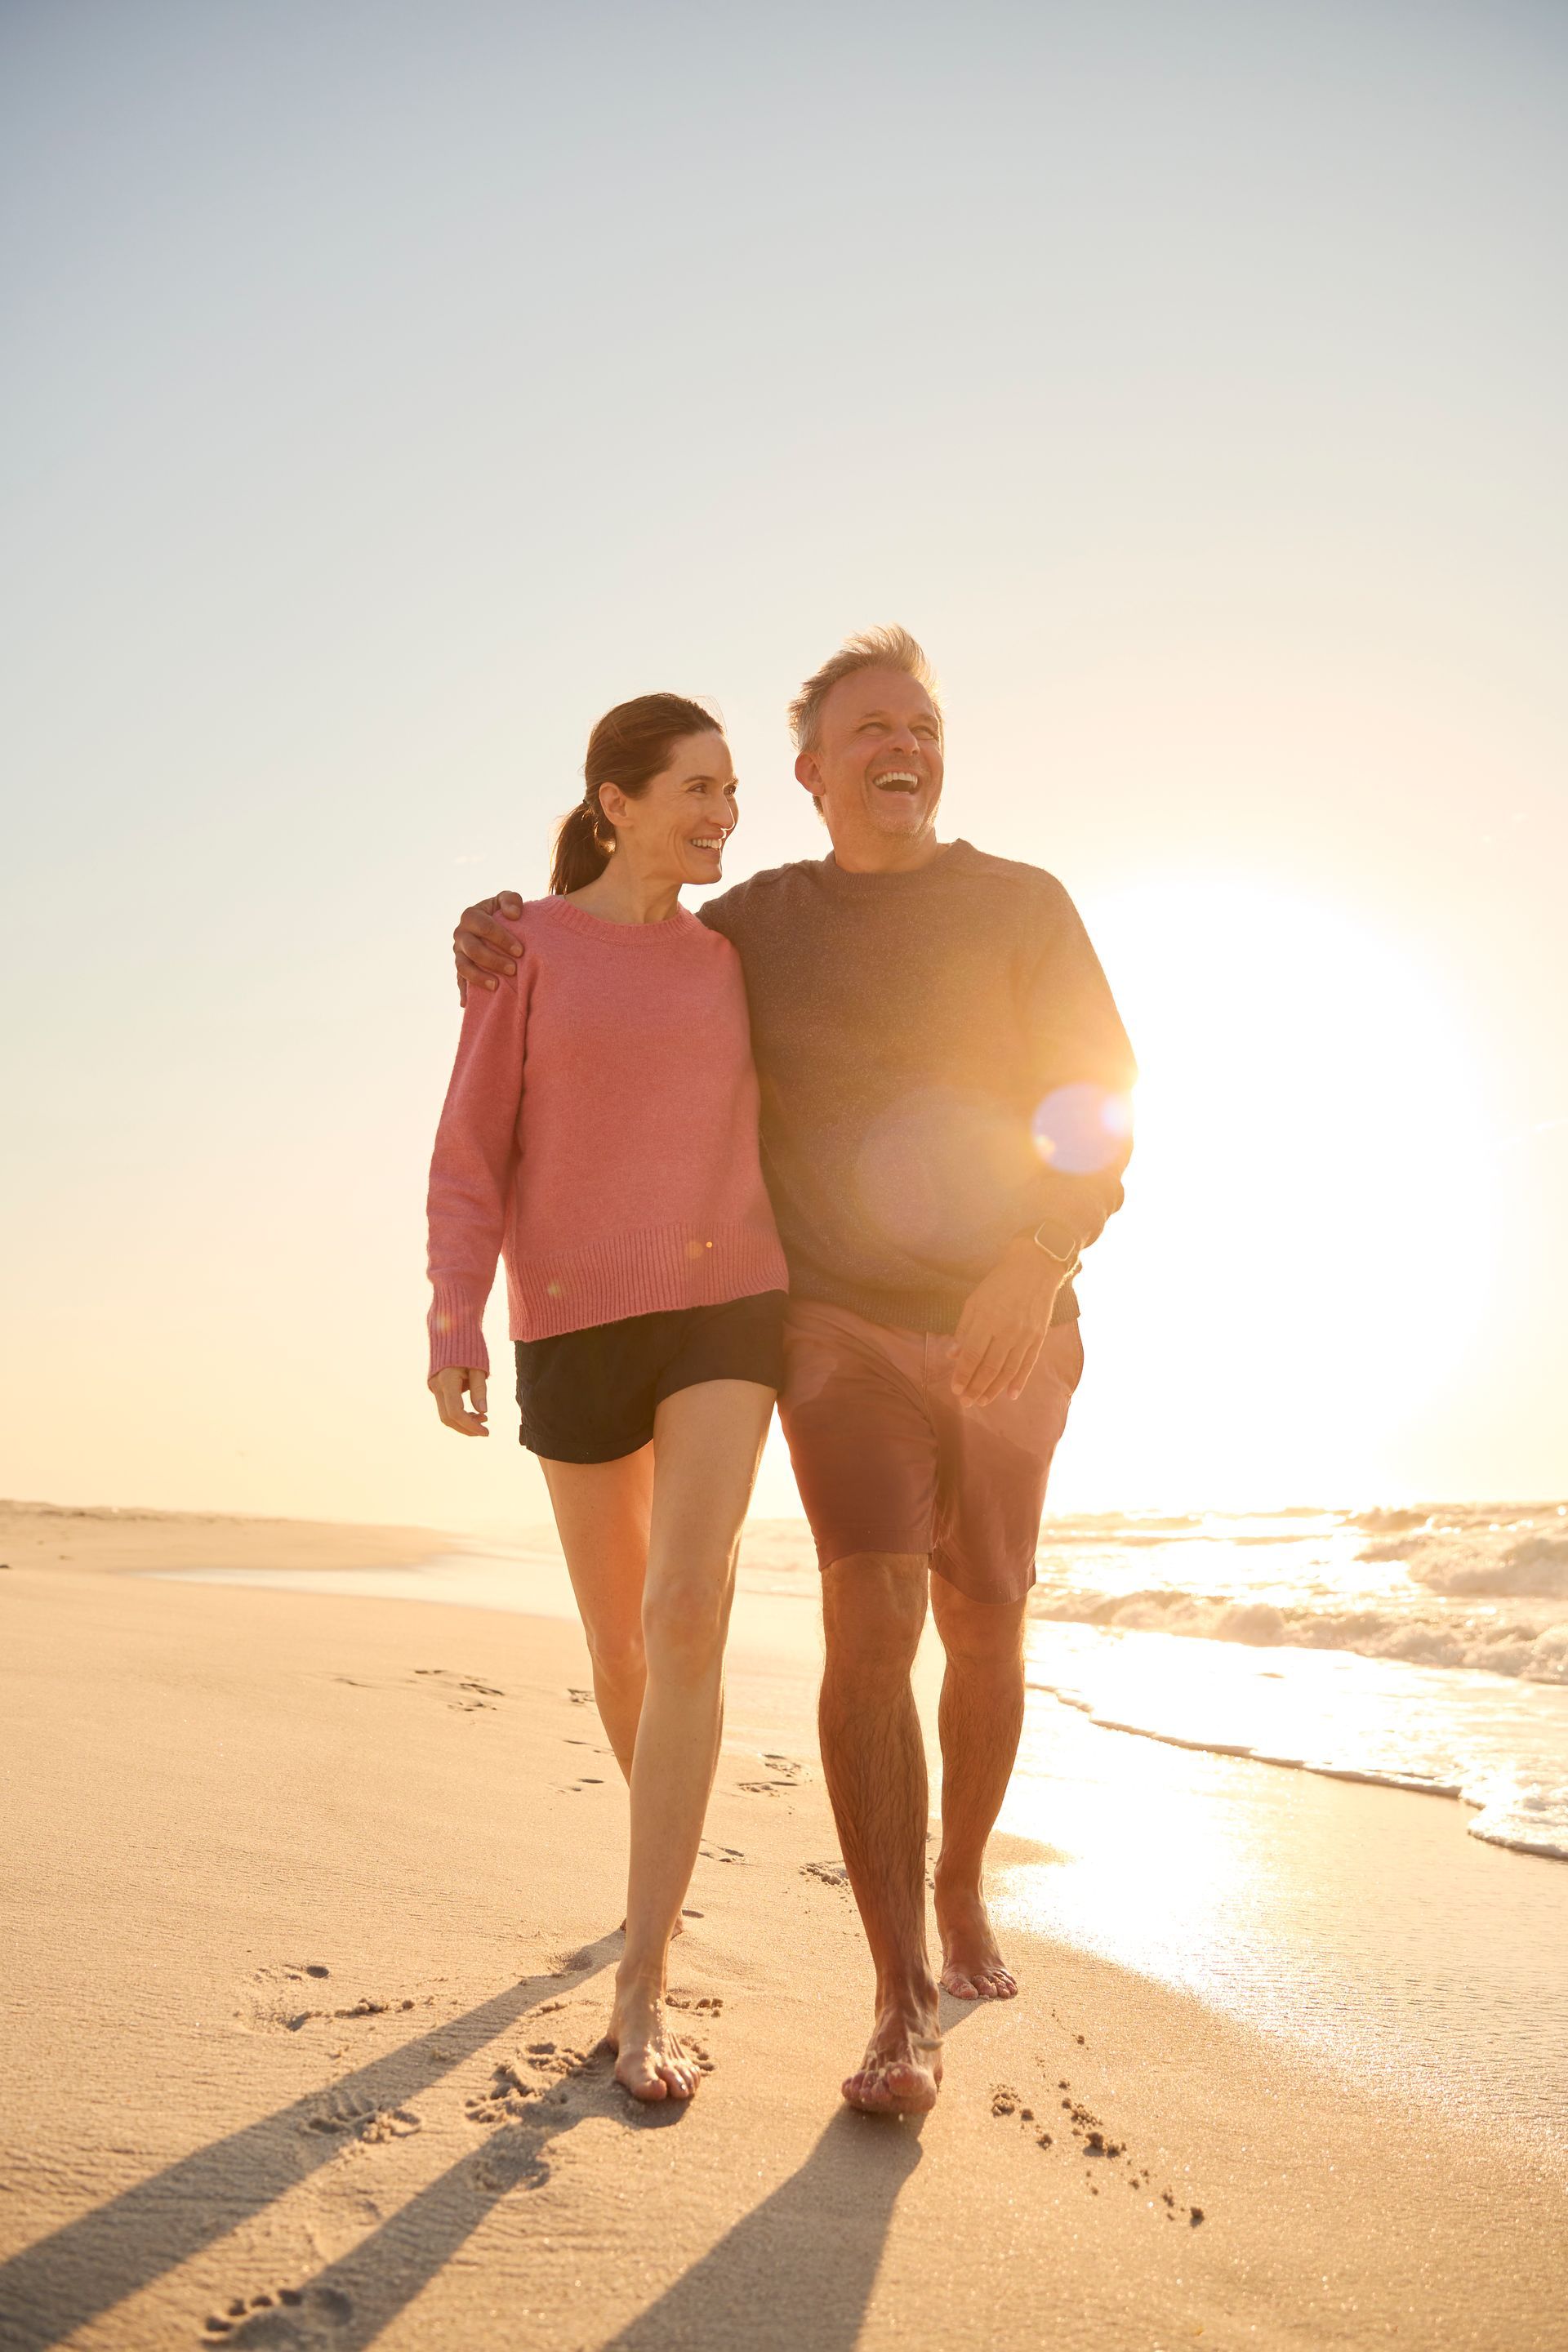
<point x="876" y="769"/>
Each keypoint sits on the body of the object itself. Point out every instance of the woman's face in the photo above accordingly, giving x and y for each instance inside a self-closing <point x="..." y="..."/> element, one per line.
<point x="675" y="830"/>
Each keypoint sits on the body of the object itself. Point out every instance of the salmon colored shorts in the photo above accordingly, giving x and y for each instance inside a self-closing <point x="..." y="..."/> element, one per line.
<point x="887" y="1459"/>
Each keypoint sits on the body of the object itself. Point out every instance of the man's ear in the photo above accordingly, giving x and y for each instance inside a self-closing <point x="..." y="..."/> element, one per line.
<point x="809" y="773"/>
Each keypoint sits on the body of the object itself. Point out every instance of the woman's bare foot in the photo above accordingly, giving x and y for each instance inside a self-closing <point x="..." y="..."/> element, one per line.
<point x="902" y="2066"/>
<point x="971" y="1967"/>
<point x="651" y="2061"/>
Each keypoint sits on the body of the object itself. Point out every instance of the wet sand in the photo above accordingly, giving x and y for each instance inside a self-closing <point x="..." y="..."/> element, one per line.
<point x="309" y="1926"/>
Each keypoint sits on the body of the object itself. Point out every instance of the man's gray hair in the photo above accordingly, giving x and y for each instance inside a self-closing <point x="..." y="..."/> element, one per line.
<point x="892" y="648"/>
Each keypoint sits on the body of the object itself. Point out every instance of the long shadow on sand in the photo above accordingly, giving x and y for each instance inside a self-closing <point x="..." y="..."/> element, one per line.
<point x="350" y="2303"/>
<point x="799" y="2269"/>
<point x="89" y="2265"/>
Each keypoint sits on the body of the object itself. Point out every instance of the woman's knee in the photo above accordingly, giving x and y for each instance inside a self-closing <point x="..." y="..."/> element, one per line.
<point x="684" y="1622"/>
<point x="618" y="1654"/>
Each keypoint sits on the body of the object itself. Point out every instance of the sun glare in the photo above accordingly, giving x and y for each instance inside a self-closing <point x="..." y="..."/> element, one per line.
<point x="1299" y="1259"/>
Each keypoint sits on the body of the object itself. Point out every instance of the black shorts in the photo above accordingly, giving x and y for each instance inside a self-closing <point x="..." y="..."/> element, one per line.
<point x="591" y="1396"/>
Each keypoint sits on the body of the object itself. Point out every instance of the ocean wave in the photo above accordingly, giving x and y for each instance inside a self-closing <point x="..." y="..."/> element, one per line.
<point x="1525" y="1651"/>
<point x="1532" y="1568"/>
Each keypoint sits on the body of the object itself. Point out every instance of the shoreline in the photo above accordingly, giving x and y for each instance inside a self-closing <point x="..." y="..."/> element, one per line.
<point x="432" y="1563"/>
<point x="429" y="1556"/>
<point x="1404" y="1785"/>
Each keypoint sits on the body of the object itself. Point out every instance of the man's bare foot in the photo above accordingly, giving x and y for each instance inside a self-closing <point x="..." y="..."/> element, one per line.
<point x="971" y="1967"/>
<point x="902" y="2066"/>
<point x="651" y="2061"/>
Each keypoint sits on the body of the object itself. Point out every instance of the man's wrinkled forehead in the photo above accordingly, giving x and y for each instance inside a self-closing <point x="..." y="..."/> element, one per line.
<point x="878" y="693"/>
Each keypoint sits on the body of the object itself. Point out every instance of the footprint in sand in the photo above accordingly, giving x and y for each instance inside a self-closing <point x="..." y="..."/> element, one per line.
<point x="504" y="2101"/>
<point x="722" y="1853"/>
<point x="273" y="2005"/>
<point x="580" y="1697"/>
<point x="511" y="2161"/>
<point x="370" y="2126"/>
<point x="831" y="1873"/>
<point x="709" y="2004"/>
<point x="785" y="1772"/>
<point x="465" y="1692"/>
<point x="531" y="2071"/>
<point x="274" y="2000"/>
<point x="541" y="2078"/>
<point x="295" y="2319"/>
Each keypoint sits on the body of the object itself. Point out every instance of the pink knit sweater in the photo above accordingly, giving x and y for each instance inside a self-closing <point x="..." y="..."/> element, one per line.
<point x="600" y="1135"/>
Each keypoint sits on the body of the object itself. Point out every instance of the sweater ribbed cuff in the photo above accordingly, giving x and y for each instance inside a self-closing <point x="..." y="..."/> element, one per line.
<point x="457" y="1324"/>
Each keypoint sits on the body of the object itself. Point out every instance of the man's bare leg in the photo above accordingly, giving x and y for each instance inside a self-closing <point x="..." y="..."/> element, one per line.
<point x="979" y="1718"/>
<point x="873" y="1608"/>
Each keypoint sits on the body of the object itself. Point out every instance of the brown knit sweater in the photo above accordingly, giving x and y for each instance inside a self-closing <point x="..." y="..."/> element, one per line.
<point x="935" y="1048"/>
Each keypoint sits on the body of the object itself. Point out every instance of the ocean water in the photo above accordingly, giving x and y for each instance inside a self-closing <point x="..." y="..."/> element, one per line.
<point x="1424" y="1648"/>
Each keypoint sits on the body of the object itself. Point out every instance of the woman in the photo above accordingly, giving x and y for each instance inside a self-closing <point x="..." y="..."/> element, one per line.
<point x="600" y="1135"/>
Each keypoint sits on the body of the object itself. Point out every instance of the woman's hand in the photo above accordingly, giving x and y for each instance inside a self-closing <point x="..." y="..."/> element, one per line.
<point x="447" y="1389"/>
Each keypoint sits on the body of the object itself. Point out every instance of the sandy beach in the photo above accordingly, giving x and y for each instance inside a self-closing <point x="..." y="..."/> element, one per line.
<point x="310" y="1909"/>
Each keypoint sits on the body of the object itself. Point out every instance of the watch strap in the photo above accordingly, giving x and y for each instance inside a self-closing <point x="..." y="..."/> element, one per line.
<point x="1056" y="1240"/>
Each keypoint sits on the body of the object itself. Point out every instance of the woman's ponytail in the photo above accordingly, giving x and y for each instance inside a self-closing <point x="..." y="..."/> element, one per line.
<point x="631" y="745"/>
<point x="580" y="852"/>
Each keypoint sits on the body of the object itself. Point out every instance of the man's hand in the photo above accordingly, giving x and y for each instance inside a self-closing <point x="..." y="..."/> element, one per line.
<point x="1004" y="1325"/>
<point x="480" y="948"/>
<point x="448" y="1388"/>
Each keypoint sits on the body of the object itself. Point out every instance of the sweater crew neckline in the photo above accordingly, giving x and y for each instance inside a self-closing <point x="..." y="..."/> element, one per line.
<point x="675" y="926"/>
<point x="848" y="885"/>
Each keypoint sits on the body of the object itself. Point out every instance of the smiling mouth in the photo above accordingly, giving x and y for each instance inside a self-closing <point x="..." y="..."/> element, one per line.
<point x="898" y="779"/>
<point x="713" y="841"/>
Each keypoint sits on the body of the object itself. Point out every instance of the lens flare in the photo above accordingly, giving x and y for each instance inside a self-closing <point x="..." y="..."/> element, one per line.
<point x="1081" y="1128"/>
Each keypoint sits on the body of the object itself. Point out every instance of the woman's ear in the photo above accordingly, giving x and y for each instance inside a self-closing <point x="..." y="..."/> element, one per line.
<point x="612" y="804"/>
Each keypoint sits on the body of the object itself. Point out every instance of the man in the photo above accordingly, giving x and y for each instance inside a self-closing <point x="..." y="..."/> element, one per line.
<point x="944" y="1127"/>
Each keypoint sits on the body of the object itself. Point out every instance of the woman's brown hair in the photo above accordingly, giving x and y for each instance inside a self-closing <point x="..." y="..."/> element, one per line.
<point x="630" y="746"/>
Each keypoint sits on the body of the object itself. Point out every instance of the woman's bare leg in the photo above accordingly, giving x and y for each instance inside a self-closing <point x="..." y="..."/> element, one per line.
<point x="601" y="1512"/>
<point x="707" y="1443"/>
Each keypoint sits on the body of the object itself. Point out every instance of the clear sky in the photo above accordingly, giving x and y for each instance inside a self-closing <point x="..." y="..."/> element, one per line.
<point x="392" y="387"/>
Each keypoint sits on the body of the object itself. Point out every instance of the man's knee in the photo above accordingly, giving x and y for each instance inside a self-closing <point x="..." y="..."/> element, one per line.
<point x="981" y="1633"/>
<point x="873" y="1608"/>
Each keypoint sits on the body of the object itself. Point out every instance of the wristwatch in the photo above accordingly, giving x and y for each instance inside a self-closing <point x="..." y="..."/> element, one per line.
<point x="1056" y="1241"/>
